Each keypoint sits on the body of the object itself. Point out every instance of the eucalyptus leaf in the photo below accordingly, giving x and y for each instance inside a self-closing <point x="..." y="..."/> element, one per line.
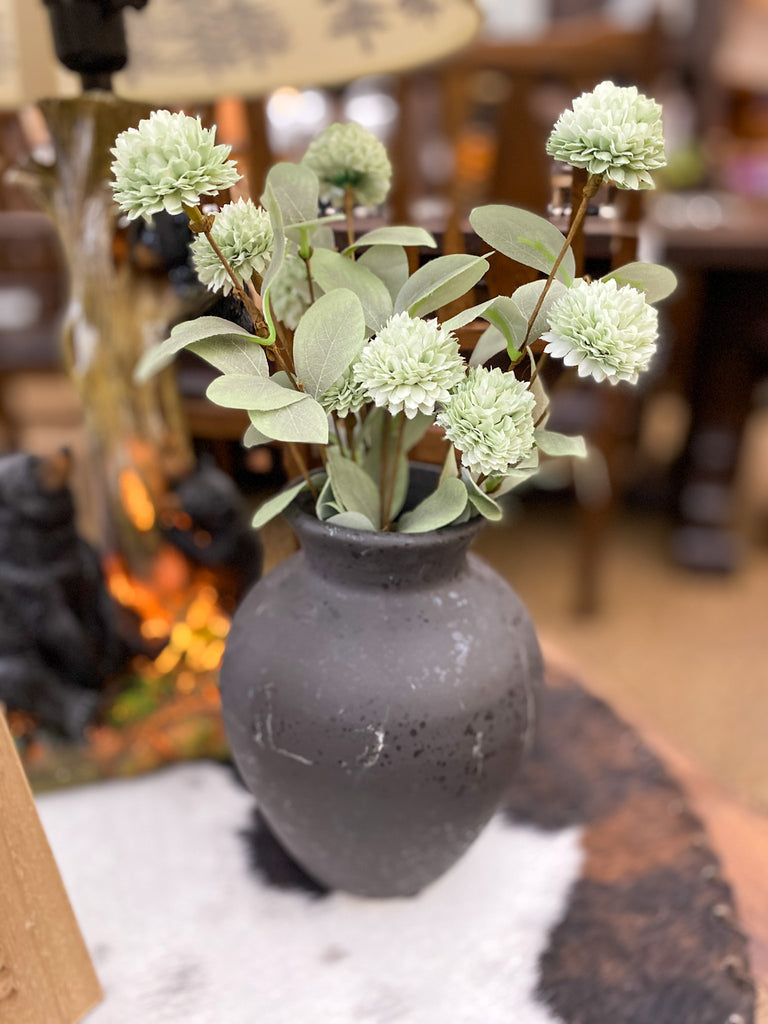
<point x="394" y="235"/>
<point x="514" y="478"/>
<point x="541" y="403"/>
<point x="332" y="270"/>
<point x="488" y="345"/>
<point x="281" y="377"/>
<point x="295" y="190"/>
<point x="323" y="237"/>
<point x="440" y="508"/>
<point x="503" y="313"/>
<point x="465" y="516"/>
<point x="329" y="337"/>
<point x="527" y="295"/>
<point x="314" y="232"/>
<point x="270" y="204"/>
<point x="525" y="237"/>
<point x="450" y="468"/>
<point x="253" y="437"/>
<point x="400" y="489"/>
<point x="466" y="316"/>
<point x="656" y="281"/>
<point x="438" y="282"/>
<point x="204" y="328"/>
<point x="389" y="263"/>
<point x="552" y="443"/>
<point x="315" y="222"/>
<point x="232" y="355"/>
<point x="352" y="521"/>
<point x="352" y="487"/>
<point x="484" y="504"/>
<point x="242" y="391"/>
<point x="275" y="505"/>
<point x="305" y="421"/>
<point x="325" y="506"/>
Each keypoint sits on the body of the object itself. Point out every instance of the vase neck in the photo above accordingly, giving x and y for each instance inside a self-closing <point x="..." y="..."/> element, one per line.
<point x="383" y="560"/>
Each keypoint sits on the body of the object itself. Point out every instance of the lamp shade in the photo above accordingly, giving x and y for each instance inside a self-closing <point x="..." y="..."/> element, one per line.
<point x="197" y="50"/>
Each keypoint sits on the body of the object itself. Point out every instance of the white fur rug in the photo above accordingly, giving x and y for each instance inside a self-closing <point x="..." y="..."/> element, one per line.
<point x="183" y="930"/>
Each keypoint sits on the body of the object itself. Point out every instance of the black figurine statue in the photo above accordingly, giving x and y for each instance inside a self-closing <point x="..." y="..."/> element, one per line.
<point x="58" y="640"/>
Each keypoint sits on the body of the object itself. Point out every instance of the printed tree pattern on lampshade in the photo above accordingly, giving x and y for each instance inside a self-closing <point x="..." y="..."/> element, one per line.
<point x="249" y="47"/>
<point x="182" y="52"/>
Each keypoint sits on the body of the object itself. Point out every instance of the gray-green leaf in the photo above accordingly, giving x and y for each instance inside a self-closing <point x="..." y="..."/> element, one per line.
<point x="241" y="391"/>
<point x="527" y="295"/>
<point x="232" y="355"/>
<point x="253" y="437"/>
<point x="655" y="280"/>
<point x="440" y="508"/>
<point x="552" y="443"/>
<point x="328" y="339"/>
<point x="295" y="189"/>
<point x="438" y="282"/>
<point x="484" y="504"/>
<point x="390" y="264"/>
<point x="325" y="506"/>
<point x="352" y="487"/>
<point x="332" y="270"/>
<point x="270" y="203"/>
<point x="204" y="328"/>
<point x="275" y="505"/>
<point x="394" y="235"/>
<point x="305" y="421"/>
<point x="488" y="345"/>
<point x="352" y="521"/>
<point x="525" y="237"/>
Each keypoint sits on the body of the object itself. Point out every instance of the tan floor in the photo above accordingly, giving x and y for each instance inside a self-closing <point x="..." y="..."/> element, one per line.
<point x="683" y="654"/>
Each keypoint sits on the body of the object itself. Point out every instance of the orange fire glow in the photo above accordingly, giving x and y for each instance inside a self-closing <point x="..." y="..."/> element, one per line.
<point x="135" y="500"/>
<point x="177" y="604"/>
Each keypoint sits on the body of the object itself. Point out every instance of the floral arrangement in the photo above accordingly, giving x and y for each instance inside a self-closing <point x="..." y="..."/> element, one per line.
<point x="347" y="353"/>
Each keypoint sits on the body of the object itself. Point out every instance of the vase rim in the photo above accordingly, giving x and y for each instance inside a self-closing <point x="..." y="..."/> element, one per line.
<point x="305" y="521"/>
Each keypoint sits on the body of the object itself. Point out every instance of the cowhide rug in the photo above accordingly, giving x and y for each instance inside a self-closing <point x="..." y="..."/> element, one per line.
<point x="594" y="900"/>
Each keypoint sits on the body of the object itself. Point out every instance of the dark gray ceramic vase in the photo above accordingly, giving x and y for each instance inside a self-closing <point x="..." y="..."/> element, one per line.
<point x="377" y="693"/>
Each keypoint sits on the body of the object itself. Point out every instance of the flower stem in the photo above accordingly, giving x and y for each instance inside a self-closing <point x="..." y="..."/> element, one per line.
<point x="387" y="512"/>
<point x="349" y="212"/>
<point x="309" y="277"/>
<point x="593" y="183"/>
<point x="300" y="461"/>
<point x="383" y="469"/>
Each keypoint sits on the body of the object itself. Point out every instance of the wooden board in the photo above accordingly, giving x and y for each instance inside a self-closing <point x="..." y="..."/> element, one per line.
<point x="46" y="975"/>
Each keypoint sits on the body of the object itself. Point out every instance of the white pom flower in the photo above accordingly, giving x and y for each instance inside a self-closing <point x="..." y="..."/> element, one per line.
<point x="410" y="365"/>
<point x="614" y="131"/>
<point x="290" y="295"/>
<point x="168" y="162"/>
<point x="489" y="418"/>
<point x="349" y="156"/>
<point x="608" y="332"/>
<point x="345" y="396"/>
<point x="243" y="232"/>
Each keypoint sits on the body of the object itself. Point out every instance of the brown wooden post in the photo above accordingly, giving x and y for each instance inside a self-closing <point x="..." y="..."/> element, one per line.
<point x="46" y="974"/>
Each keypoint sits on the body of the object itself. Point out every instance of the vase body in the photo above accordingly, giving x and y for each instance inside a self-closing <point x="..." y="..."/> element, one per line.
<point x="377" y="692"/>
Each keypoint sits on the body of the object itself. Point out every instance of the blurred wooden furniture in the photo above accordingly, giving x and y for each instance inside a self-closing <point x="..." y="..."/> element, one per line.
<point x="513" y="91"/>
<point x="720" y="325"/>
